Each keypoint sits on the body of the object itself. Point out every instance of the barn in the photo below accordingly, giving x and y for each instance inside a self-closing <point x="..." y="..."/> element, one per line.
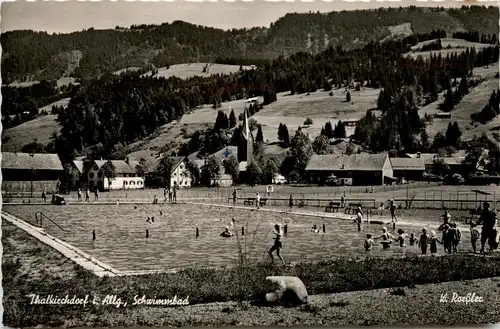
<point x="363" y="169"/>
<point x="27" y="173"/>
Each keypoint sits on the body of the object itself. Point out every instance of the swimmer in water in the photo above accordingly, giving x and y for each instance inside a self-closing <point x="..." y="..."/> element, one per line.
<point x="413" y="239"/>
<point x="369" y="243"/>
<point x="401" y="238"/>
<point x="386" y="238"/>
<point x="433" y="241"/>
<point x="315" y="229"/>
<point x="226" y="233"/>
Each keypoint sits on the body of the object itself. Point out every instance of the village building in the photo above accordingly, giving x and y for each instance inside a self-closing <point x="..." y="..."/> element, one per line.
<point x="411" y="169"/>
<point x="26" y="173"/>
<point x="126" y="175"/>
<point x="180" y="177"/>
<point x="360" y="169"/>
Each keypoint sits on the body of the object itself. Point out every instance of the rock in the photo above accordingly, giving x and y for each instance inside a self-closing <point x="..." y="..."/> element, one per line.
<point x="291" y="290"/>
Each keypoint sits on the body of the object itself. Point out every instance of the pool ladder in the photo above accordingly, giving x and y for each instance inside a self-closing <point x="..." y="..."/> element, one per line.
<point x="42" y="215"/>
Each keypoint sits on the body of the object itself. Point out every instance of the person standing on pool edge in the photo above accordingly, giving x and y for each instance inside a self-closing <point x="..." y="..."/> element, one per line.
<point x="290" y="202"/>
<point x="277" y="244"/>
<point x="393" y="212"/>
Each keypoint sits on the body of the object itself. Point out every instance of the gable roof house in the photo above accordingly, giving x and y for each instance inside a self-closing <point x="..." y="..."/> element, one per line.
<point x="408" y="168"/>
<point x="363" y="169"/>
<point x="125" y="170"/>
<point x="24" y="172"/>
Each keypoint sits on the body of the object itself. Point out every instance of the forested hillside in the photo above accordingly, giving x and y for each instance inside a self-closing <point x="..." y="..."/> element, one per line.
<point x="29" y="55"/>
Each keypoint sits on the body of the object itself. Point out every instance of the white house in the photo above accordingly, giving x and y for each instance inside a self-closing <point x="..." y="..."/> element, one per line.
<point x="126" y="175"/>
<point x="180" y="174"/>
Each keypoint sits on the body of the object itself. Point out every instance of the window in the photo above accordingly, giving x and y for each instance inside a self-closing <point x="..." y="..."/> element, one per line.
<point x="125" y="183"/>
<point x="99" y="175"/>
<point x="132" y="182"/>
<point x="91" y="175"/>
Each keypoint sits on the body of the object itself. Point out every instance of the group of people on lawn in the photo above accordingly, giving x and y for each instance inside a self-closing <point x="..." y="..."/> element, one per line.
<point x="451" y="234"/>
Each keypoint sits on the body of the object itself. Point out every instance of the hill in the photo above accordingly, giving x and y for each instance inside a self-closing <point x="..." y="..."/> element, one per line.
<point x="41" y="128"/>
<point x="29" y="55"/>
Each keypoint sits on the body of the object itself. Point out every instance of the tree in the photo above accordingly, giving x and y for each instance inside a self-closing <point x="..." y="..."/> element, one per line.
<point x="211" y="170"/>
<point x="34" y="147"/>
<point x="424" y="139"/>
<point x="308" y="121"/>
<point x="142" y="168"/>
<point x="440" y="168"/>
<point x="195" y="173"/>
<point x="254" y="173"/>
<point x="109" y="171"/>
<point x="232" y="167"/>
<point x="165" y="169"/>
<point x="438" y="142"/>
<point x="453" y="135"/>
<point x="301" y="150"/>
<point x="270" y="170"/>
<point x="348" y="97"/>
<point x="327" y="130"/>
<point x="232" y="119"/>
<point x="260" y="137"/>
<point x="283" y="135"/>
<point x="221" y="122"/>
<point x="339" y="131"/>
<point x="321" y="145"/>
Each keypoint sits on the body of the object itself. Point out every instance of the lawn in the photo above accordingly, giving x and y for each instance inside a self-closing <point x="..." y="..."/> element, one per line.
<point x="337" y="288"/>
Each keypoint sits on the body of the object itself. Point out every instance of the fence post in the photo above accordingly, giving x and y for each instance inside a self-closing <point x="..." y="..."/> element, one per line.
<point x="425" y="199"/>
<point x="457" y="200"/>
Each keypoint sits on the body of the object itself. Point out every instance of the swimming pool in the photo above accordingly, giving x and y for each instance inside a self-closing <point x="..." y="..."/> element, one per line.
<point x="172" y="244"/>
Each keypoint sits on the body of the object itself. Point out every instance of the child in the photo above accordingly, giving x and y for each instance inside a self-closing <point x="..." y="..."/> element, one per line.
<point x="413" y="239"/>
<point x="386" y="238"/>
<point x="401" y="238"/>
<point x="474" y="235"/>
<point x="79" y="193"/>
<point x="369" y="243"/>
<point x="458" y="237"/>
<point x="423" y="241"/>
<point x="433" y="243"/>
<point x="393" y="211"/>
<point x="359" y="218"/>
<point x="277" y="244"/>
<point x="257" y="199"/>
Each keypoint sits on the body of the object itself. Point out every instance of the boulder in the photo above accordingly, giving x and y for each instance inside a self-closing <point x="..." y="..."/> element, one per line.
<point x="290" y="290"/>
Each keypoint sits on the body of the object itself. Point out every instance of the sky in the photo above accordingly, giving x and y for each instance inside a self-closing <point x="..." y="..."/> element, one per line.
<point x="69" y="16"/>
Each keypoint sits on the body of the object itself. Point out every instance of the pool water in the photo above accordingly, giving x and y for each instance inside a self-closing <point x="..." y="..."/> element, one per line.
<point x="172" y="244"/>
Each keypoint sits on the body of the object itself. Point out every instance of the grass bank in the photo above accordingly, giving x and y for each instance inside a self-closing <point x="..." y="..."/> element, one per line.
<point x="203" y="286"/>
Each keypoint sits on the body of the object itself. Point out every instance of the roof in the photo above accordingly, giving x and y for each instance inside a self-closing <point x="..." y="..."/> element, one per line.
<point x="226" y="152"/>
<point x="407" y="163"/>
<point x="428" y="157"/>
<point x="78" y="164"/>
<point x="121" y="166"/>
<point x="31" y="161"/>
<point x="177" y="160"/>
<point x="361" y="162"/>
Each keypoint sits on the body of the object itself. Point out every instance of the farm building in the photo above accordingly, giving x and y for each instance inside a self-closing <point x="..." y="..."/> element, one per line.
<point x="443" y="115"/>
<point x="26" y="173"/>
<point x="76" y="174"/>
<point x="362" y="169"/>
<point x="408" y="168"/>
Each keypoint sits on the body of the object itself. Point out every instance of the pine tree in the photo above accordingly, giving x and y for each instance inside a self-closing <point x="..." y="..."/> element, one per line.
<point x="260" y="137"/>
<point x="339" y="131"/>
<point x="424" y="139"/>
<point x="232" y="119"/>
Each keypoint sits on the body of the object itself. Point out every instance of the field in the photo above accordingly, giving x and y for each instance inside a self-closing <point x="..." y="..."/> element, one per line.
<point x="122" y="244"/>
<point x="456" y="46"/>
<point x="40" y="128"/>
<point x="60" y="82"/>
<point x="189" y="70"/>
<point x="473" y="102"/>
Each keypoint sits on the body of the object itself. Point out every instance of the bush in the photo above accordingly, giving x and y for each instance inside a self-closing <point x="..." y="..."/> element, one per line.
<point x="308" y="122"/>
